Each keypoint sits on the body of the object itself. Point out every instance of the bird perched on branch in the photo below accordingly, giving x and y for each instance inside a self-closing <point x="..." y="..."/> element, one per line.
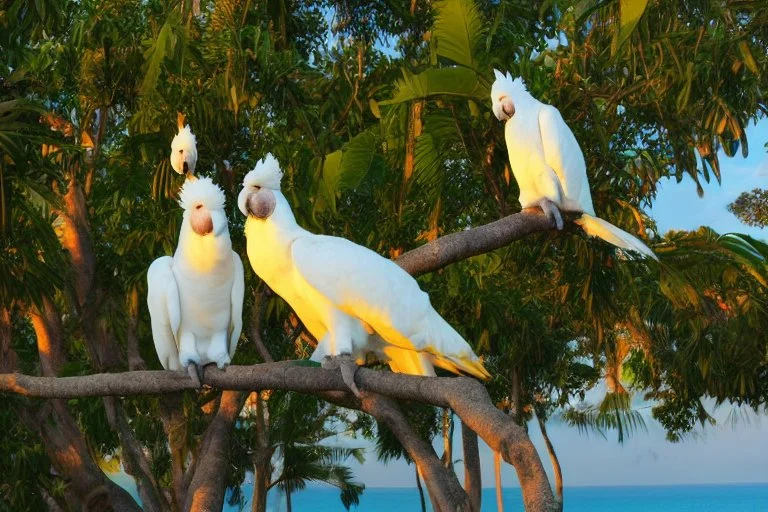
<point x="352" y="300"/>
<point x="195" y="298"/>
<point x="548" y="164"/>
<point x="184" y="150"/>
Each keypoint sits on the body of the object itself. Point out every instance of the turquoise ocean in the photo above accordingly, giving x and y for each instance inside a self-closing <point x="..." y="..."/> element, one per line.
<point x="672" y="498"/>
<point x="657" y="498"/>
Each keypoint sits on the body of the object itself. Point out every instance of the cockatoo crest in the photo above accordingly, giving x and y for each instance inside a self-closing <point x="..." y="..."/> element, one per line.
<point x="505" y="84"/>
<point x="202" y="191"/>
<point x="266" y="174"/>
<point x="184" y="150"/>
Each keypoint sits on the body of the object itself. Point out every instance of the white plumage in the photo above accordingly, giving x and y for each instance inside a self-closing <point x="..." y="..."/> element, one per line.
<point x="195" y="298"/>
<point x="548" y="163"/>
<point x="351" y="299"/>
<point x="184" y="152"/>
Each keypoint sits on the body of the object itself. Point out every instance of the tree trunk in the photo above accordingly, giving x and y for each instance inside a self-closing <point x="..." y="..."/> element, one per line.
<point x="443" y="487"/>
<point x="421" y="490"/>
<point x="473" y="483"/>
<point x="46" y="322"/>
<point x="175" y="427"/>
<point x="133" y="459"/>
<point x="288" y="507"/>
<point x="497" y="473"/>
<point x="69" y="454"/>
<point x="555" y="462"/>
<point x="207" y="488"/>
<point x="262" y="473"/>
<point x="63" y="441"/>
<point x="8" y="359"/>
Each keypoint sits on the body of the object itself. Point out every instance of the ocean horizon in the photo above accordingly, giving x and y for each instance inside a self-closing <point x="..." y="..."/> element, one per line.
<point x="738" y="497"/>
<point x="730" y="497"/>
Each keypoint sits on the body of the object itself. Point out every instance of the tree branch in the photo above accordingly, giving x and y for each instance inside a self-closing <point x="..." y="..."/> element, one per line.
<point x="208" y="486"/>
<point x="467" y="397"/>
<point x="473" y="483"/>
<point x="471" y="242"/>
<point x="444" y="488"/>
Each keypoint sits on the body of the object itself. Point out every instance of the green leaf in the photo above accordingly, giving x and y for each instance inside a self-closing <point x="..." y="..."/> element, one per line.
<point x="374" y="108"/>
<point x="345" y="168"/>
<point x="459" y="82"/>
<point x="331" y="177"/>
<point x="458" y="30"/>
<point x="155" y="56"/>
<point x="630" y="12"/>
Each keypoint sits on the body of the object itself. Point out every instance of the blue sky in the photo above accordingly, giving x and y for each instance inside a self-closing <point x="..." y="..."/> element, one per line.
<point x="725" y="453"/>
<point x="679" y="207"/>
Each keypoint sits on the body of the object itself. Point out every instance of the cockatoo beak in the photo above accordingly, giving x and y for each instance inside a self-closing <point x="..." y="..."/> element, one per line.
<point x="504" y="108"/>
<point x="261" y="203"/>
<point x="201" y="221"/>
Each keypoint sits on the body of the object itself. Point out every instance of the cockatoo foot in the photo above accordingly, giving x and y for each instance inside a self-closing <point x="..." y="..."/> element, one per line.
<point x="221" y="359"/>
<point x="347" y="366"/>
<point x="196" y="374"/>
<point x="552" y="212"/>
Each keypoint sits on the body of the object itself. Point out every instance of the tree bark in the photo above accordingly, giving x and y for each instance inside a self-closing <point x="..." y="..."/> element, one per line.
<point x="63" y="441"/>
<point x="207" y="488"/>
<point x="558" y="472"/>
<point x="133" y="459"/>
<point x="497" y="473"/>
<point x="464" y="244"/>
<point x="444" y="489"/>
<point x="49" y="332"/>
<point x="420" y="488"/>
<point x="8" y="359"/>
<point x="69" y="454"/>
<point x="473" y="483"/>
<point x="262" y="463"/>
<point x="175" y="427"/>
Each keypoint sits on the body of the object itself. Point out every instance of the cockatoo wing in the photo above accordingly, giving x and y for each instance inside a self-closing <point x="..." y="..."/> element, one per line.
<point x="382" y="295"/>
<point x="362" y="284"/>
<point x="238" y="293"/>
<point x="563" y="154"/>
<point x="164" y="311"/>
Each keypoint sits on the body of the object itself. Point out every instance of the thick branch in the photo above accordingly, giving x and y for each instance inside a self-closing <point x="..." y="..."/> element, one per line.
<point x="467" y="397"/>
<point x="464" y="244"/>
<point x="206" y="491"/>
<point x="473" y="483"/>
<point x="444" y="488"/>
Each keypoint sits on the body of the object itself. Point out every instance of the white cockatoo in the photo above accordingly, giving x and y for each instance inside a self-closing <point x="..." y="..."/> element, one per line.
<point x="353" y="301"/>
<point x="548" y="163"/>
<point x="195" y="298"/>
<point x="184" y="150"/>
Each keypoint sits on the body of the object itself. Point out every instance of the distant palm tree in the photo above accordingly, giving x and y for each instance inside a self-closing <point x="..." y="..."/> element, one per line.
<point x="301" y="425"/>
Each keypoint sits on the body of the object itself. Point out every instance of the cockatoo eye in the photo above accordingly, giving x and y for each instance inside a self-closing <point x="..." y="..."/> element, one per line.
<point x="503" y="97"/>
<point x="198" y="207"/>
<point x="256" y="187"/>
<point x="181" y="151"/>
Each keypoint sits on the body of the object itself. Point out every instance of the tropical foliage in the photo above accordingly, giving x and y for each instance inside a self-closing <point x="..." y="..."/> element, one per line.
<point x="379" y="113"/>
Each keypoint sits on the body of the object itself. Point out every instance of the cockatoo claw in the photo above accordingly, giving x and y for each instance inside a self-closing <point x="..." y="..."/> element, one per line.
<point x="552" y="212"/>
<point x="196" y="374"/>
<point x="348" y="368"/>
